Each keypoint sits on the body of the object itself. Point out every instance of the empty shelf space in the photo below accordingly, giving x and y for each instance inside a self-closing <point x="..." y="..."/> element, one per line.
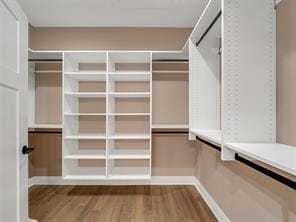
<point x="86" y="173"/>
<point x="129" y="136"/>
<point x="212" y="136"/>
<point x="85" y="94"/>
<point x="88" y="136"/>
<point x="87" y="75"/>
<point x="129" y="77"/>
<point x="170" y="126"/>
<point x="84" y="177"/>
<point x="138" y="173"/>
<point x="130" y="154"/>
<point x="130" y="72"/>
<point x="277" y="155"/>
<point x="47" y="71"/>
<point x="86" y="154"/>
<point x="84" y="114"/>
<point x="129" y="114"/>
<point x="131" y="95"/>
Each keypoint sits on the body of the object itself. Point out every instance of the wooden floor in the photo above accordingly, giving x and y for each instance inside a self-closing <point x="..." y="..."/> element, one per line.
<point x="117" y="203"/>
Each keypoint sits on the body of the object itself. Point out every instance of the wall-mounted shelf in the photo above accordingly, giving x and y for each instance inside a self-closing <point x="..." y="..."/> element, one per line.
<point x="212" y="136"/>
<point x="277" y="155"/>
<point x="46" y="126"/>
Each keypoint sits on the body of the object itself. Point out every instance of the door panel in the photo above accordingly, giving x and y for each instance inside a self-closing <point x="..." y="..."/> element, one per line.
<point x="8" y="157"/>
<point x="13" y="112"/>
<point x="9" y="39"/>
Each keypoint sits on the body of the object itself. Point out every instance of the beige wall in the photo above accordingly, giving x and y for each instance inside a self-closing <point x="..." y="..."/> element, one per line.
<point x="244" y="194"/>
<point x="286" y="72"/>
<point x="108" y="38"/>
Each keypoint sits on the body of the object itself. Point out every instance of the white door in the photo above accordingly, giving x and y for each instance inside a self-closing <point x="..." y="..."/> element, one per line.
<point x="13" y="112"/>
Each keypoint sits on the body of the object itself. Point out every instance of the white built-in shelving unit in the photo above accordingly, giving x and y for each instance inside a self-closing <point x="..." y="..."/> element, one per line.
<point x="233" y="95"/>
<point x="107" y="115"/>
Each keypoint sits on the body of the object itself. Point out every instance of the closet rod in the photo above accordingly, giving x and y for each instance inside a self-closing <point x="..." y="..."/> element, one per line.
<point x="170" y="60"/>
<point x="45" y="60"/>
<point x="284" y="180"/>
<point x="45" y="132"/>
<point x="209" y="28"/>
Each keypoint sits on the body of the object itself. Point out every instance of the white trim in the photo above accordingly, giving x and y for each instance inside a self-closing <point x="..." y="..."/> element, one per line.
<point x="155" y="180"/>
<point x="217" y="211"/>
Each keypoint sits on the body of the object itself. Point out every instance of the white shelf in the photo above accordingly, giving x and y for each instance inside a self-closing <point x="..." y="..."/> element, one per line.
<point x="130" y="136"/>
<point x="131" y="95"/>
<point x="170" y="126"/>
<point x="85" y="114"/>
<point x="132" y="72"/>
<point x="277" y="155"/>
<point x="130" y="154"/>
<point x="129" y="76"/>
<point x="86" y="94"/>
<point x="46" y="126"/>
<point x="87" y="76"/>
<point x="212" y="136"/>
<point x="129" y="114"/>
<point x="170" y="72"/>
<point x="138" y="173"/>
<point x="85" y="177"/>
<point x="88" y="136"/>
<point x="86" y="154"/>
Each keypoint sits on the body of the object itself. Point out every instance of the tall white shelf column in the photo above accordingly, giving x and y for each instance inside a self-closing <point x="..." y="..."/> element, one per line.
<point x="113" y="120"/>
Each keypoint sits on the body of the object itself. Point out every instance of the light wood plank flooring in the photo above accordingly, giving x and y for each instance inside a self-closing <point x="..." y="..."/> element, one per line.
<point x="117" y="203"/>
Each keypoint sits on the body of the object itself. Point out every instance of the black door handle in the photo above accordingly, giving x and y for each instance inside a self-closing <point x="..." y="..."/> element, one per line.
<point x="27" y="150"/>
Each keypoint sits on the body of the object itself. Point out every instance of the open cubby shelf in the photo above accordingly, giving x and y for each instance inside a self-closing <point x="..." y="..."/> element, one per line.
<point x="107" y="99"/>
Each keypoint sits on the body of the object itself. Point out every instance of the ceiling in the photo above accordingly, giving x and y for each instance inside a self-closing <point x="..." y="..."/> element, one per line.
<point x="113" y="13"/>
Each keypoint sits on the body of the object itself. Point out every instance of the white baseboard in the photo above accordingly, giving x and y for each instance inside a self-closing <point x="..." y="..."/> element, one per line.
<point x="217" y="211"/>
<point x="155" y="180"/>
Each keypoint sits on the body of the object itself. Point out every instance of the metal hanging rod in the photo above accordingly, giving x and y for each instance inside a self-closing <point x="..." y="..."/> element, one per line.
<point x="284" y="180"/>
<point x="45" y="60"/>
<point x="45" y="132"/>
<point x="209" y="28"/>
<point x="170" y="60"/>
<point x="169" y="132"/>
